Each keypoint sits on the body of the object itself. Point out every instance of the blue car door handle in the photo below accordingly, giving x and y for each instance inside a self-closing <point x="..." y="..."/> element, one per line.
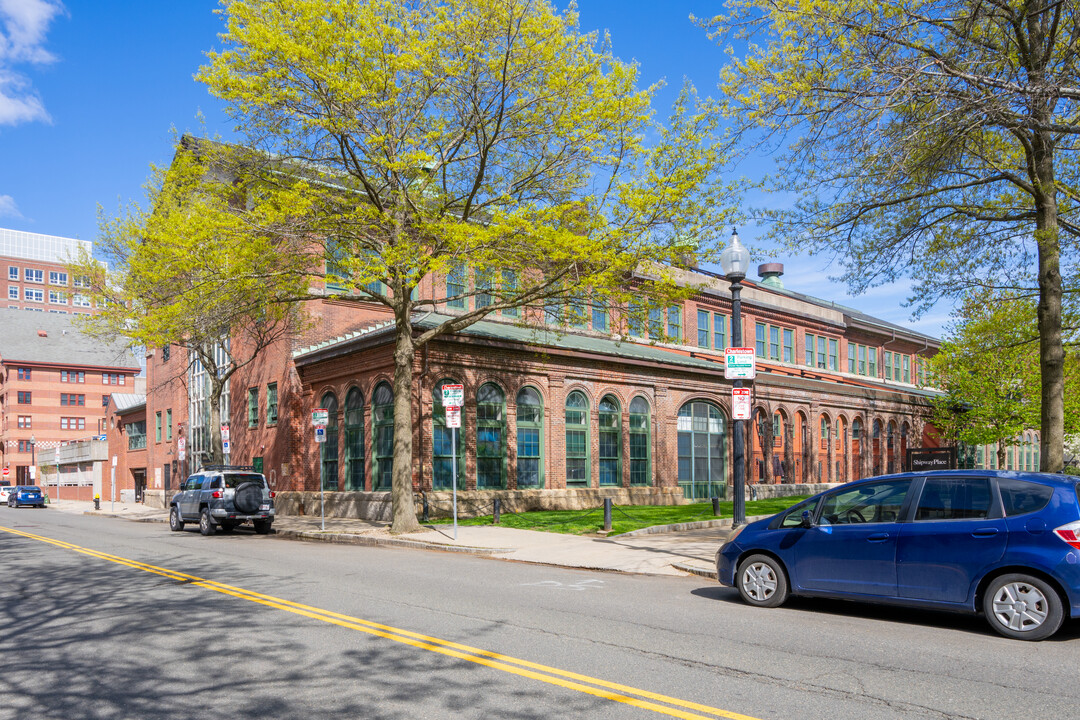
<point x="985" y="532"/>
<point x="877" y="537"/>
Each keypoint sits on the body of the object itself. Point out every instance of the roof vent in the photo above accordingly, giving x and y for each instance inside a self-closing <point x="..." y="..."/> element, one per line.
<point x="770" y="275"/>
<point x="42" y="333"/>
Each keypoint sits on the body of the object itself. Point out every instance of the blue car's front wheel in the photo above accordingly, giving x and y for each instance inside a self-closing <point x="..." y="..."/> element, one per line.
<point x="762" y="581"/>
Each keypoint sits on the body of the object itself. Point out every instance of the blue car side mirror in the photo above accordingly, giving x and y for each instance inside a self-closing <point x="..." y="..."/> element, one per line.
<point x="807" y="521"/>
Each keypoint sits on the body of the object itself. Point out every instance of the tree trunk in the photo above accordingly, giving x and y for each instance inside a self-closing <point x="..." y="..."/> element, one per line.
<point x="1051" y="352"/>
<point x="789" y="452"/>
<point x="401" y="494"/>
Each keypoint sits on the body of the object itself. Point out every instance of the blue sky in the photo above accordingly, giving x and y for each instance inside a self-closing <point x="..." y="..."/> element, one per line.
<point x="90" y="91"/>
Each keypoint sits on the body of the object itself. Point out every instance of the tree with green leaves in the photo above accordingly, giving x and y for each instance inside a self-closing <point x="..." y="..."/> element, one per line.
<point x="934" y="139"/>
<point x="487" y="142"/>
<point x="215" y="264"/>
<point x="988" y="369"/>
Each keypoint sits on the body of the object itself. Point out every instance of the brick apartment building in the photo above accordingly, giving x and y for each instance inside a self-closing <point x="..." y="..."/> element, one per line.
<point x="36" y="272"/>
<point x="55" y="384"/>
<point x="570" y="410"/>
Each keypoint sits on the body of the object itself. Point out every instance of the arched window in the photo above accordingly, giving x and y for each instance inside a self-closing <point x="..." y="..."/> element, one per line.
<point x="610" y="441"/>
<point x="577" y="439"/>
<point x="530" y="439"/>
<point x="330" y="447"/>
<point x="702" y="440"/>
<point x="490" y="437"/>
<point x="443" y="444"/>
<point x="354" y="440"/>
<point x="382" y="427"/>
<point x="640" y="447"/>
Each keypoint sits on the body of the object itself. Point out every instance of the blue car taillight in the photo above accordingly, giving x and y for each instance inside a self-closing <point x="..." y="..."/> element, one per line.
<point x="1070" y="533"/>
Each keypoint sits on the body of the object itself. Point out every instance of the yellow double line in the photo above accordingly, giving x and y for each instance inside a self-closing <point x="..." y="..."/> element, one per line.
<point x="615" y="692"/>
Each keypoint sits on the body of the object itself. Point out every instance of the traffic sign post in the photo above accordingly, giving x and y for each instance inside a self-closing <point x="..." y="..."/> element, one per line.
<point x="453" y="397"/>
<point x="320" y="416"/>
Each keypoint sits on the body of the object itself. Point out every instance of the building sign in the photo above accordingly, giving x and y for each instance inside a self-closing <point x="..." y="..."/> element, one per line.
<point x="225" y="433"/>
<point x="320" y="433"/>
<point x="453" y="396"/>
<point x="926" y="459"/>
<point x="453" y="417"/>
<point x="740" y="403"/>
<point x="739" y="363"/>
<point x="320" y="416"/>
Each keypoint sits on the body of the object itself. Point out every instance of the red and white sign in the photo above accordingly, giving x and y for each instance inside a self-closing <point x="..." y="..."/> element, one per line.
<point x="740" y="403"/>
<point x="7" y="471"/>
<point x="739" y="363"/>
<point x="453" y="417"/>
<point x="224" y="432"/>
<point x="453" y="396"/>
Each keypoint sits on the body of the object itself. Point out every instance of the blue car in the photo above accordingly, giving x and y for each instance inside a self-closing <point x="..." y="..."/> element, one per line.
<point x="1003" y="543"/>
<point x="26" y="495"/>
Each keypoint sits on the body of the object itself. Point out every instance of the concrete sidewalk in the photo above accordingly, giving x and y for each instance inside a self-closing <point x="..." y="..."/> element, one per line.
<point x="682" y="550"/>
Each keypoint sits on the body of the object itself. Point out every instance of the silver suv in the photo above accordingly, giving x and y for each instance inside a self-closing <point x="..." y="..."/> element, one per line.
<point x="222" y="497"/>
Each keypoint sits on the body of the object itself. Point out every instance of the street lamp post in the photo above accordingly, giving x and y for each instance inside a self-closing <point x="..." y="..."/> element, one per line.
<point x="733" y="261"/>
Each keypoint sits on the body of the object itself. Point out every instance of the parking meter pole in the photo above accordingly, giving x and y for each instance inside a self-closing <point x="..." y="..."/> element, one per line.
<point x="453" y="464"/>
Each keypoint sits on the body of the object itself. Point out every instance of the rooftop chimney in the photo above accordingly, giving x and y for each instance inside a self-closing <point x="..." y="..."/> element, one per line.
<point x="770" y="275"/>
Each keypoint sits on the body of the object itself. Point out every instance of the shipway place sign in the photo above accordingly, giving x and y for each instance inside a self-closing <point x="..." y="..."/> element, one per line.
<point x="926" y="459"/>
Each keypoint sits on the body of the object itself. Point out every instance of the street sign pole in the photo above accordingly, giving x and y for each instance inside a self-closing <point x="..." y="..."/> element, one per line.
<point x="453" y="463"/>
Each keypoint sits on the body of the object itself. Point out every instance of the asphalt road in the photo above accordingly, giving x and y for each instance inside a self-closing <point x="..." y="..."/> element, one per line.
<point x="106" y="618"/>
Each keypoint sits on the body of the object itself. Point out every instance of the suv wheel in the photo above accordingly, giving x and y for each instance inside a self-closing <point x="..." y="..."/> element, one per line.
<point x="206" y="525"/>
<point x="176" y="523"/>
<point x="1022" y="607"/>
<point x="262" y="526"/>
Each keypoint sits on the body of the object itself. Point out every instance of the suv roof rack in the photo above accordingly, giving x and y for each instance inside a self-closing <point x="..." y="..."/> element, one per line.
<point x="244" y="468"/>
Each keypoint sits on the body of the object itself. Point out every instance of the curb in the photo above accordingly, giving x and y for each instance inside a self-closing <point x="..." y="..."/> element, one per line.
<point x="354" y="539"/>
<point x="695" y="570"/>
<point x="144" y="519"/>
<point x="682" y="527"/>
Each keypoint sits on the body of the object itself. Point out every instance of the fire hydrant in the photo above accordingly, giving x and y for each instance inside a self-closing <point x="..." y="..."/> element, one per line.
<point x="97" y="502"/>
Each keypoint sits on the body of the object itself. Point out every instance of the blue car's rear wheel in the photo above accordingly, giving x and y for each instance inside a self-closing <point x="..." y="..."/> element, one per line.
<point x="1022" y="607"/>
<point x="762" y="581"/>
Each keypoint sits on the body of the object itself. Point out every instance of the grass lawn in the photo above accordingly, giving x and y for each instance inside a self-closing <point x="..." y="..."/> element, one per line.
<point x="624" y="519"/>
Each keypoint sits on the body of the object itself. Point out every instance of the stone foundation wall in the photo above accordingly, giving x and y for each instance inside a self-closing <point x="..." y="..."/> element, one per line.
<point x="775" y="491"/>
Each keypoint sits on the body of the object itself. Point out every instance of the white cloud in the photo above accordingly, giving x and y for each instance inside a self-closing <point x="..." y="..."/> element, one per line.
<point x="8" y="208"/>
<point x="23" y="25"/>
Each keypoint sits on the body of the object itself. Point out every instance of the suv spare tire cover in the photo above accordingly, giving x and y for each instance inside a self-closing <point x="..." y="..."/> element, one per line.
<point x="248" y="497"/>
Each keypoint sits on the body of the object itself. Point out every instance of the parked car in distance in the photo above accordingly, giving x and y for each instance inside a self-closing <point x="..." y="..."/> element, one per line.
<point x="223" y="497"/>
<point x="5" y="490"/>
<point x="1001" y="543"/>
<point x="22" y="495"/>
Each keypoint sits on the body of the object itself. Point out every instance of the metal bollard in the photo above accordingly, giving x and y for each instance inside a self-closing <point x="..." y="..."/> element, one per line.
<point x="607" y="514"/>
<point x="425" y="517"/>
<point x="716" y="506"/>
<point x="497" y="505"/>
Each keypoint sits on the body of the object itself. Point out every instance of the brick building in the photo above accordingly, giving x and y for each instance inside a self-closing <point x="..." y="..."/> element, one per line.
<point x="55" y="384"/>
<point x="570" y="410"/>
<point x="37" y="275"/>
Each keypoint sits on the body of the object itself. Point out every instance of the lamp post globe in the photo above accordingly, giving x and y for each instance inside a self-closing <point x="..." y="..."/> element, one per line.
<point x="734" y="260"/>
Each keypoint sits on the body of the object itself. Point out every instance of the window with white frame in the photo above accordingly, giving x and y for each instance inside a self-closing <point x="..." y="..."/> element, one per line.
<point x="79" y="300"/>
<point x="34" y="276"/>
<point x="57" y="298"/>
<point x="33" y="295"/>
<point x="13" y="292"/>
<point x="58" y="278"/>
<point x="12" y="272"/>
<point x="81" y="282"/>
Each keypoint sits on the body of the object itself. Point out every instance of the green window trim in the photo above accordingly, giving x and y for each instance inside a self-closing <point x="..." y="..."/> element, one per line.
<point x="382" y="437"/>
<point x="271" y="404"/>
<point x="157" y="426"/>
<point x="443" y="450"/>
<point x="253" y="407"/>
<point x="600" y="319"/>
<point x="703" y="330"/>
<point x="168" y="425"/>
<point x="789" y="345"/>
<point x="510" y="286"/>
<point x="354" y="479"/>
<point x="490" y="437"/>
<point x="674" y="323"/>
<point x="328" y="452"/>
<point x="759" y="339"/>
<point x="701" y="450"/>
<point x="530" y="438"/>
<point x="609" y="417"/>
<point x="640" y="445"/>
<point x="578" y="468"/>
<point x="457" y="284"/>
<point x="721" y="338"/>
<point x="834" y="346"/>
